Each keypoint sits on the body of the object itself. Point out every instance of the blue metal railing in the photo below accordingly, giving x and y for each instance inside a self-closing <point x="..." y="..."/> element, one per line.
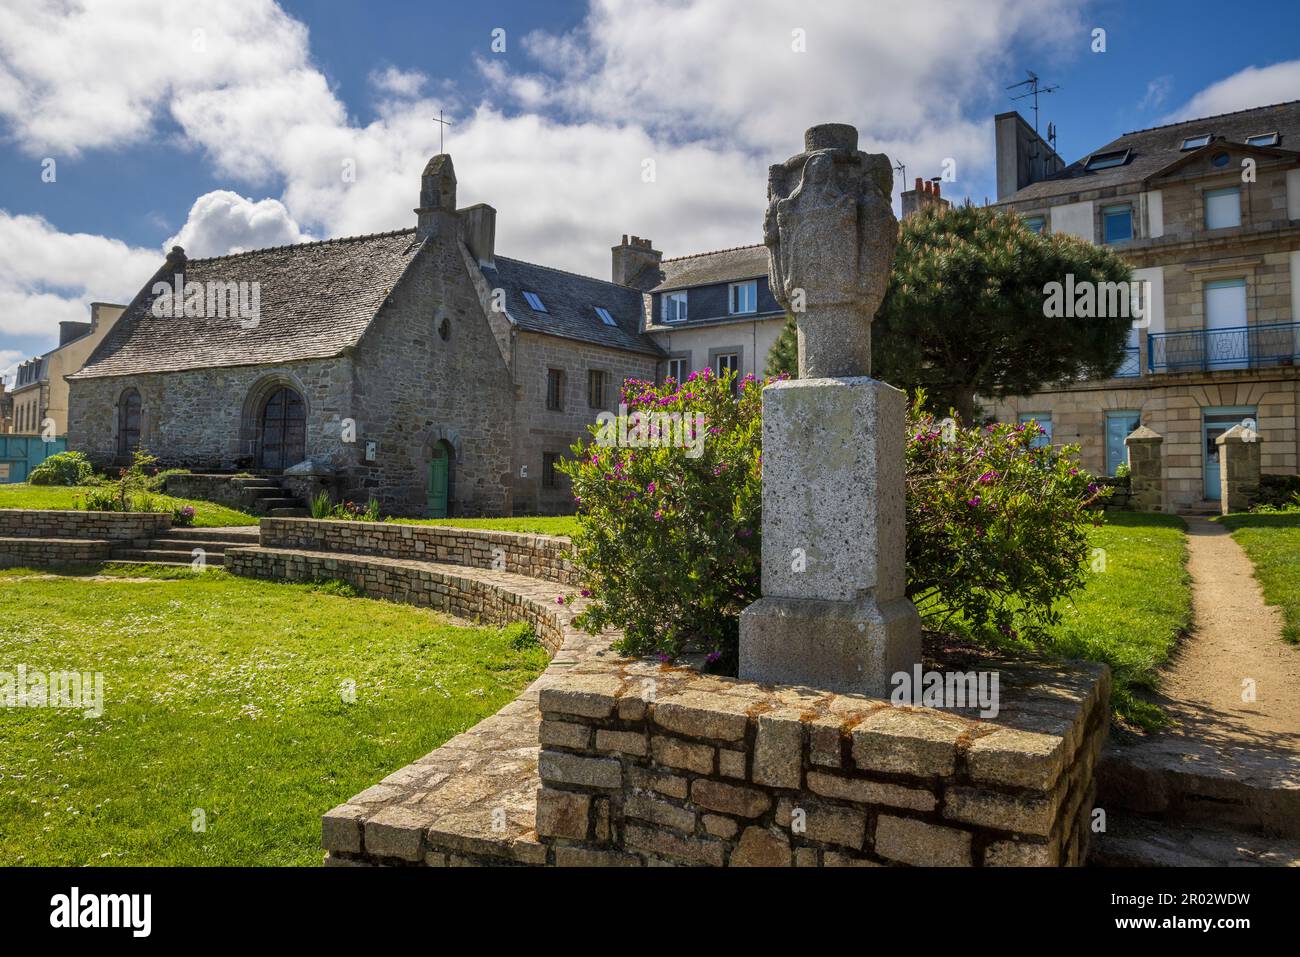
<point x="1241" y="347"/>
<point x="1131" y="366"/>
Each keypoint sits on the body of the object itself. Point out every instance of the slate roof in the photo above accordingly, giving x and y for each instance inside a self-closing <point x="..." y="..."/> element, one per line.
<point x="316" y="301"/>
<point x="570" y="302"/>
<point x="702" y="269"/>
<point x="1156" y="148"/>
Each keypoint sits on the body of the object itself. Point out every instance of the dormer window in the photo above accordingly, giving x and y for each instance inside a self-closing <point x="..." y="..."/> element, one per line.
<point x="744" y="297"/>
<point x="605" y="317"/>
<point x="534" y="302"/>
<point x="1107" y="160"/>
<point x="1195" y="142"/>
<point x="1263" y="139"/>
<point x="674" y="306"/>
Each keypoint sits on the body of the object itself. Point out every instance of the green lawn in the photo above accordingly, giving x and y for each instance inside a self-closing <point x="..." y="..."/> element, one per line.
<point x="1131" y="614"/>
<point x="539" y="525"/>
<point x="206" y="514"/>
<point x="1272" y="541"/>
<point x="224" y="695"/>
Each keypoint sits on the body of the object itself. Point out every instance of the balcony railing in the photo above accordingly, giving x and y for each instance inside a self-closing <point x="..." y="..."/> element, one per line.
<point x="1241" y="347"/>
<point x="1132" y="364"/>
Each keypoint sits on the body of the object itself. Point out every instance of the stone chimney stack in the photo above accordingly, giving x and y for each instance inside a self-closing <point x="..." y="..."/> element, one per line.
<point x="478" y="227"/>
<point x="436" y="213"/>
<point x="1023" y="157"/>
<point x="631" y="257"/>
<point x="925" y="193"/>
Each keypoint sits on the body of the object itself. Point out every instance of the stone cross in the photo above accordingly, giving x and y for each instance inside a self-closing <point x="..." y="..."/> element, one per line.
<point x="830" y="235"/>
<point x="833" y="613"/>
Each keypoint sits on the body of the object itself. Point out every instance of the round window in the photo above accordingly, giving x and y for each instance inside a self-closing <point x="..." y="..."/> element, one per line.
<point x="1219" y="159"/>
<point x="444" y="330"/>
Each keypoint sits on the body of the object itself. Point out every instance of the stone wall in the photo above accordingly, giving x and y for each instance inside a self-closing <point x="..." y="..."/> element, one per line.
<point x="474" y="596"/>
<point x="207" y="418"/>
<point x="536" y="556"/>
<point x="540" y="430"/>
<point x="415" y="389"/>
<point x="111" y="526"/>
<point x="52" y="552"/>
<point x="643" y="766"/>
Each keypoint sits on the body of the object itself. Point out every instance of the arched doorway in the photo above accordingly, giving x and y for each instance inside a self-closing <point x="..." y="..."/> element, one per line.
<point x="128" y="423"/>
<point x="282" y="431"/>
<point x="438" y="490"/>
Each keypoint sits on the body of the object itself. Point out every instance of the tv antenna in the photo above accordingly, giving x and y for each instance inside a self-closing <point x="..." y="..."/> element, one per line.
<point x="1051" y="136"/>
<point x="901" y="169"/>
<point x="1034" y="90"/>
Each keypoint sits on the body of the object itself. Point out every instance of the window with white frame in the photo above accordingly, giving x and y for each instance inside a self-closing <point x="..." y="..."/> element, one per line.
<point x="1223" y="207"/>
<point x="678" y="369"/>
<point x="1195" y="142"/>
<point x="1263" y="139"/>
<point x="674" y="306"/>
<point x="744" y="297"/>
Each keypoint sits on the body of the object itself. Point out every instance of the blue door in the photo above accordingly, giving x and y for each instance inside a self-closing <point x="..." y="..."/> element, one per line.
<point x="1214" y="422"/>
<point x="1119" y="425"/>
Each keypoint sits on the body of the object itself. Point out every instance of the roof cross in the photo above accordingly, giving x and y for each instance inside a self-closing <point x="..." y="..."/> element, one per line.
<point x="445" y="124"/>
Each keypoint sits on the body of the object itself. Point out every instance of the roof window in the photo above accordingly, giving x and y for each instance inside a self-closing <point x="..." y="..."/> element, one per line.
<point x="534" y="302"/>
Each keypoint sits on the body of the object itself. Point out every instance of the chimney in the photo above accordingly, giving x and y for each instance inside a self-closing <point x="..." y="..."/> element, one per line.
<point x="924" y="193"/>
<point x="478" y="228"/>
<point x="632" y="257"/>
<point x="437" y="210"/>
<point x="1023" y="157"/>
<point x="70" y="329"/>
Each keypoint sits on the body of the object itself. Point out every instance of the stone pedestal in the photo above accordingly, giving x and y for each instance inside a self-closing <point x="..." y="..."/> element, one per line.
<point x="1146" y="469"/>
<point x="833" y="613"/>
<point x="1238" y="469"/>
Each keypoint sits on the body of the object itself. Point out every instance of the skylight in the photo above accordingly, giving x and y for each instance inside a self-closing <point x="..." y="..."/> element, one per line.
<point x="1107" y="160"/>
<point x="534" y="302"/>
<point x="1262" y="139"/>
<point x="605" y="317"/>
<point x="1195" y="142"/>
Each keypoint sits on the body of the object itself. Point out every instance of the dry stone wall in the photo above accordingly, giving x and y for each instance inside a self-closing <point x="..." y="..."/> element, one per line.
<point x="536" y="556"/>
<point x="53" y="523"/>
<point x="670" y="766"/>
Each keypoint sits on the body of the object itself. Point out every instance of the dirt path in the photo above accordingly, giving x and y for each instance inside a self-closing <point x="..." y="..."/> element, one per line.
<point x="1235" y="637"/>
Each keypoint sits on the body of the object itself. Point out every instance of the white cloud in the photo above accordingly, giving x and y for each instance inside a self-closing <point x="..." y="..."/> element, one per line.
<point x="223" y="222"/>
<point x="711" y="92"/>
<point x="1251" y="87"/>
<point x="1157" y="92"/>
<point x="407" y="83"/>
<point x="47" y="276"/>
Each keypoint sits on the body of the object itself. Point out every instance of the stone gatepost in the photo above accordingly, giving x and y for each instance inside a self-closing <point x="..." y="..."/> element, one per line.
<point x="1238" y="469"/>
<point x="1146" y="469"/>
<point x="833" y="613"/>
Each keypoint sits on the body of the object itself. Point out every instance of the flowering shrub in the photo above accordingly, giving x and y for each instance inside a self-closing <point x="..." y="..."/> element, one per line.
<point x="669" y="545"/>
<point x="183" y="517"/>
<point x="669" y="496"/>
<point x="997" y="523"/>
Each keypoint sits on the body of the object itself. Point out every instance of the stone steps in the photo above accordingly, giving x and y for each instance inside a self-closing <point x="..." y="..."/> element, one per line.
<point x="1134" y="841"/>
<point x="158" y="556"/>
<point x="1205" y="784"/>
<point x="176" y="547"/>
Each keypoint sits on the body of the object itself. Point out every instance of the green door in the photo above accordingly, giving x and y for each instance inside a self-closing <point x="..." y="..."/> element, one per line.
<point x="437" y="490"/>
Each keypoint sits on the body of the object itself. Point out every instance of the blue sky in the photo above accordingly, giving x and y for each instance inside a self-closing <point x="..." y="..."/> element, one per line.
<point x="224" y="126"/>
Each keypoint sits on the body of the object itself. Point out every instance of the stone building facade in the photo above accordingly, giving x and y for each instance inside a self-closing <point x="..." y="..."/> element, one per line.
<point x="408" y="367"/>
<point x="1207" y="211"/>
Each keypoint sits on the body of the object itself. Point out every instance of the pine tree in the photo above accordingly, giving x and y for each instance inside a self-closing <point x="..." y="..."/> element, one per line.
<point x="783" y="357"/>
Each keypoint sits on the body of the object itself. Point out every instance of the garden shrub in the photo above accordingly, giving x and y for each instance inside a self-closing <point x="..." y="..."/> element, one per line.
<point x="669" y="543"/>
<point x="998" y="523"/>
<point x="62" y="468"/>
<point x="669" y="546"/>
